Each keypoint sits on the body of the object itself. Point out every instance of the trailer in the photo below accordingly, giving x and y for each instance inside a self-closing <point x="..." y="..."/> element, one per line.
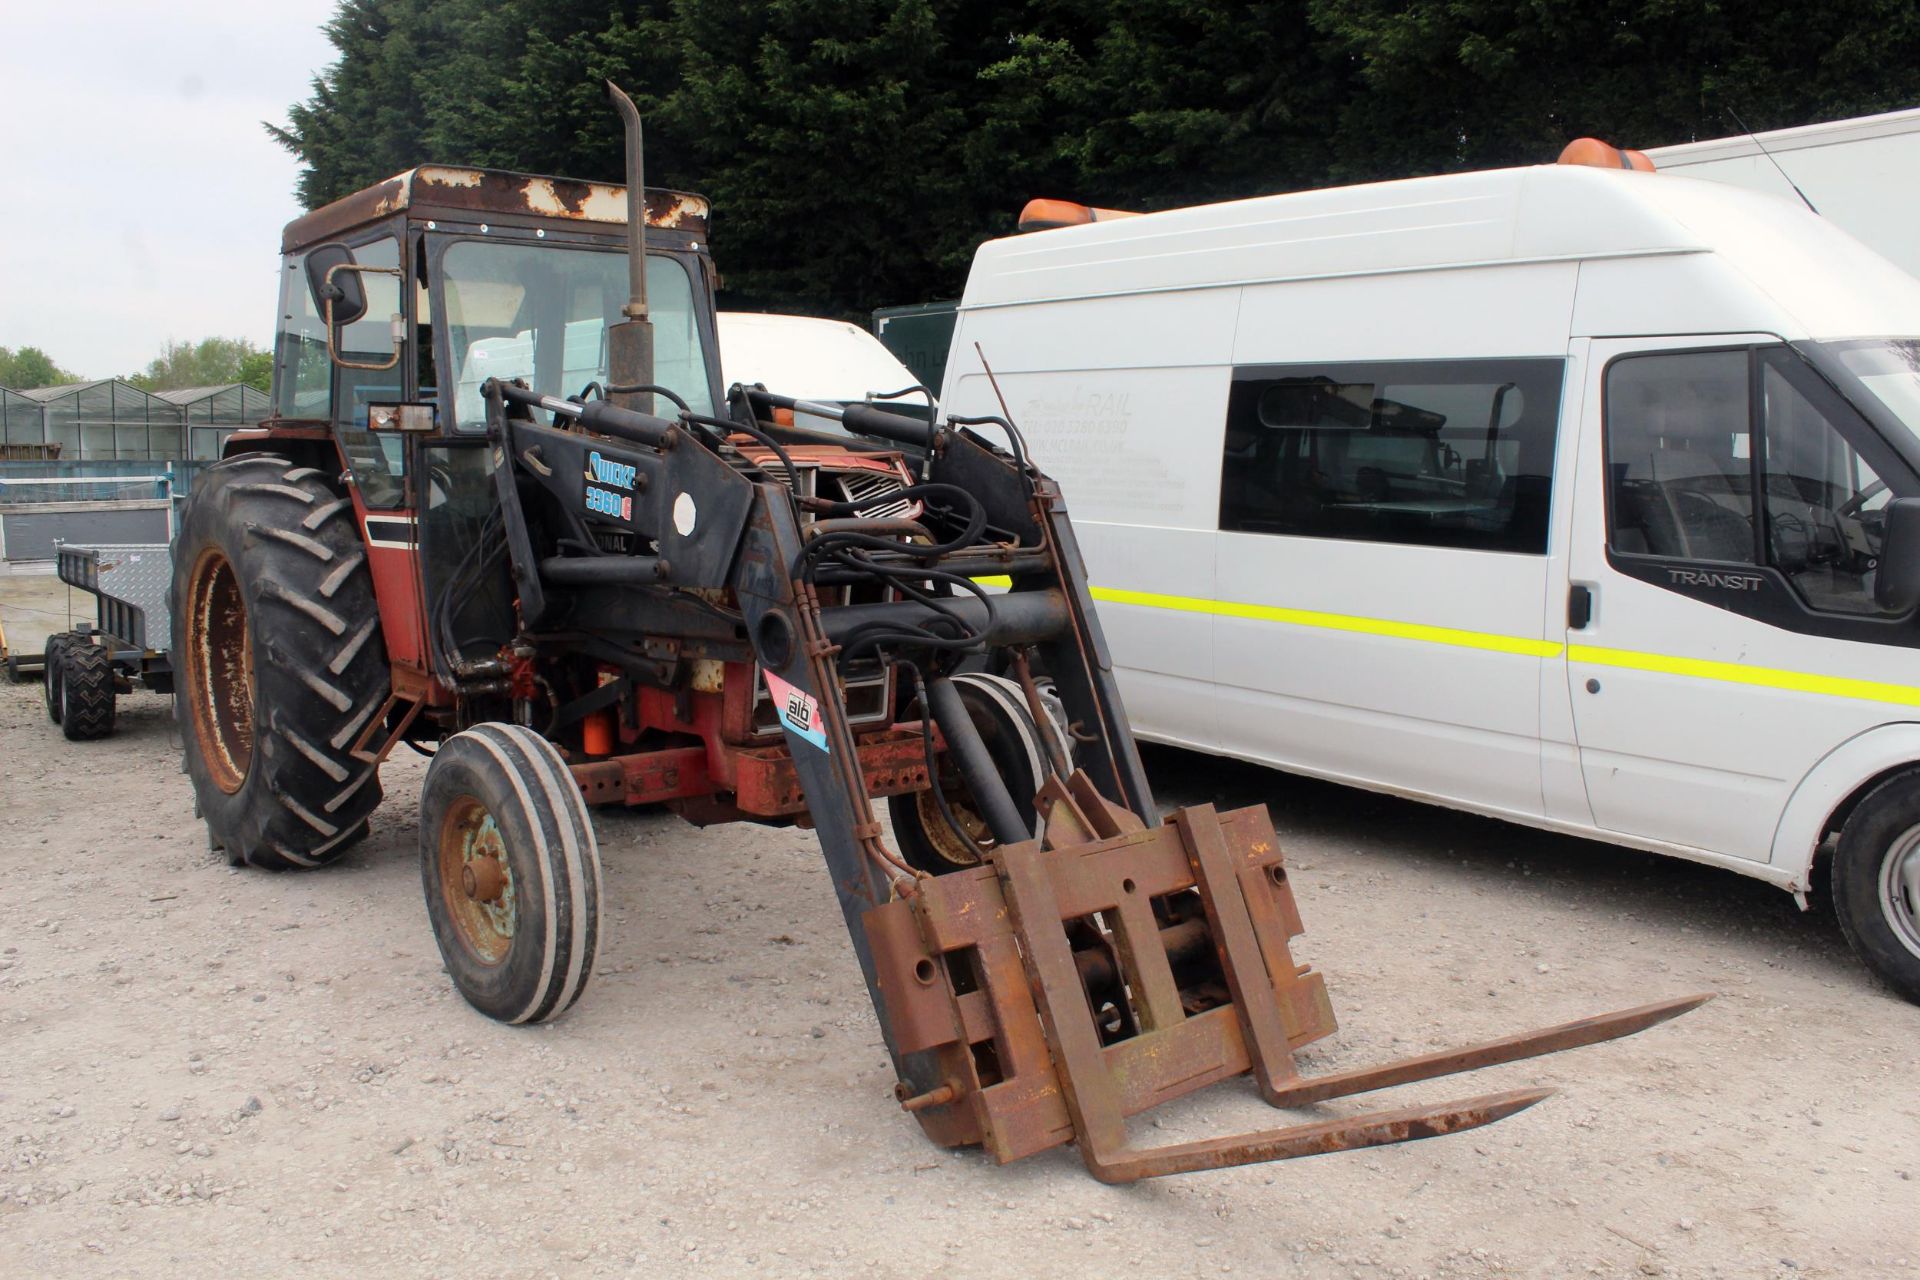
<point x="84" y="671"/>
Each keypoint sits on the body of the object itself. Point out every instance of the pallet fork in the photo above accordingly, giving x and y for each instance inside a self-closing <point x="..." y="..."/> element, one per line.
<point x="1046" y="1076"/>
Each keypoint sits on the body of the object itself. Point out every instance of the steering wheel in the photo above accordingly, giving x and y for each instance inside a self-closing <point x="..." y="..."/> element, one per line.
<point x="1851" y="507"/>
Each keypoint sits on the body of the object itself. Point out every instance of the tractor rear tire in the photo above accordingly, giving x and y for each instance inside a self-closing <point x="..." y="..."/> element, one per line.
<point x="86" y="691"/>
<point x="50" y="672"/>
<point x="280" y="664"/>
<point x="511" y="872"/>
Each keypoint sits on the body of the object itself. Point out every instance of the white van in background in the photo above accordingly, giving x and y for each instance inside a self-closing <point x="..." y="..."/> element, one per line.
<point x="1588" y="499"/>
<point x="1863" y="174"/>
<point x="808" y="357"/>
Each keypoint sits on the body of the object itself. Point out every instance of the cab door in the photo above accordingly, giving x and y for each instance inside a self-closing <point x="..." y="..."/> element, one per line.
<point x="1714" y="590"/>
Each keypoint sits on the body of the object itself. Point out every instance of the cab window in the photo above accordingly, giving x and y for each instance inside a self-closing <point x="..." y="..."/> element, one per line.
<point x="377" y="460"/>
<point x="541" y="312"/>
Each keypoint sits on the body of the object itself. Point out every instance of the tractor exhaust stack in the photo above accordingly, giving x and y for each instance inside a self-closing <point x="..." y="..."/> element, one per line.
<point x="630" y="343"/>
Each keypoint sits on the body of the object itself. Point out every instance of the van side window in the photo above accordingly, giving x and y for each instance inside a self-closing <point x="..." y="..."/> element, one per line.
<point x="1681" y="471"/>
<point x="1431" y="453"/>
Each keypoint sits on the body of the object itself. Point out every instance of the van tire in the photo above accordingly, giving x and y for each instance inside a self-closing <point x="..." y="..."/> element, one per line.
<point x="1876" y="882"/>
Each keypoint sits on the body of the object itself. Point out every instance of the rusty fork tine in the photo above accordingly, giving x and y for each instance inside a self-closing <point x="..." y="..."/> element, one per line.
<point x="1528" y="1044"/>
<point x="1373" y="1129"/>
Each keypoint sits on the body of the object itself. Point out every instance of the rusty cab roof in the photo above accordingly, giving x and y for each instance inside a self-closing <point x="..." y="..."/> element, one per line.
<point x="444" y="192"/>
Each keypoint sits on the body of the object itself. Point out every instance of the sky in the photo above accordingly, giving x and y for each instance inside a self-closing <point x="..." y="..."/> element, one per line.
<point x="141" y="199"/>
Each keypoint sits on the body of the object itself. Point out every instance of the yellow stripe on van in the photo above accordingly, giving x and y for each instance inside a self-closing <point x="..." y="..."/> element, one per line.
<point x="1738" y="673"/>
<point x="1525" y="646"/>
<point x="1337" y="622"/>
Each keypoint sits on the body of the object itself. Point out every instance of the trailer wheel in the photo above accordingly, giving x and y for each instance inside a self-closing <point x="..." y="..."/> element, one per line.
<point x="511" y="872"/>
<point x="1876" y="882"/>
<point x="279" y="660"/>
<point x="998" y="710"/>
<point x="50" y="670"/>
<point x="86" y="691"/>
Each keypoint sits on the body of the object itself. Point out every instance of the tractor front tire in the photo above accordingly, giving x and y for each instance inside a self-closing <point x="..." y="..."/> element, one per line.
<point x="280" y="661"/>
<point x="928" y="842"/>
<point x="511" y="872"/>
<point x="86" y="691"/>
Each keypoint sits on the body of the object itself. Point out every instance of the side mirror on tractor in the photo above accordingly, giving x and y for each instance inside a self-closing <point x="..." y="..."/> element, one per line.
<point x="333" y="277"/>
<point x="339" y="294"/>
<point x="1896" y="579"/>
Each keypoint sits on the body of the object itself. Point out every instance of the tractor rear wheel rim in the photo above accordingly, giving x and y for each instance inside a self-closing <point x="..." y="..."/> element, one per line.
<point x="220" y="671"/>
<point x="1900" y="889"/>
<point x="476" y="881"/>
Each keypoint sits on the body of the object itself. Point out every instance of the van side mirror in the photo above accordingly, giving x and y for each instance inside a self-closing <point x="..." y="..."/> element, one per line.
<point x="1896" y="579"/>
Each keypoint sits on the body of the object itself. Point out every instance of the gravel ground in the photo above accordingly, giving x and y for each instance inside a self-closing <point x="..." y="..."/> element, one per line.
<point x="209" y="1071"/>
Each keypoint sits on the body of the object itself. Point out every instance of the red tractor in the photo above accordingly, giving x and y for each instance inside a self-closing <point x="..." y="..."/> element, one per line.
<point x="507" y="514"/>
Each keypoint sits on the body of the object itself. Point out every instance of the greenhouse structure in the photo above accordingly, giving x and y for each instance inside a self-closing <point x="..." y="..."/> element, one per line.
<point x="211" y="414"/>
<point x="95" y="421"/>
<point x="23" y="426"/>
<point x="111" y="420"/>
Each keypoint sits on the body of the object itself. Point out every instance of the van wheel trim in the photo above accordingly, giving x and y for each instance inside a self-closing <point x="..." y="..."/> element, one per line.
<point x="1900" y="888"/>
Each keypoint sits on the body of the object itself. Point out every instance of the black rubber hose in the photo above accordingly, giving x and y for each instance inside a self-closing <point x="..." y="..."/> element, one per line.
<point x="976" y="766"/>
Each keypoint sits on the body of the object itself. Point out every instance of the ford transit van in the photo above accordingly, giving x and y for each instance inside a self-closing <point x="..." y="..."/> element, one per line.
<point x="1586" y="499"/>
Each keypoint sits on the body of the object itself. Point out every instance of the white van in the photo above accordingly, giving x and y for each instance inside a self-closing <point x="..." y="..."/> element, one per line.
<point x="1447" y="488"/>
<point x="808" y="357"/>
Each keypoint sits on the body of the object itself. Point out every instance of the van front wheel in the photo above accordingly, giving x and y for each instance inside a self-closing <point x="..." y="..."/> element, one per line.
<point x="1876" y="883"/>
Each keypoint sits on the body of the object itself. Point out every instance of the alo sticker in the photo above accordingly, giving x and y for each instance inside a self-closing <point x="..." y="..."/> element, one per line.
<point x="799" y="710"/>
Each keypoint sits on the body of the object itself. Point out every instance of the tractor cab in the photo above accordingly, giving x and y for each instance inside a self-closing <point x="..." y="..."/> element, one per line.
<point x="399" y="302"/>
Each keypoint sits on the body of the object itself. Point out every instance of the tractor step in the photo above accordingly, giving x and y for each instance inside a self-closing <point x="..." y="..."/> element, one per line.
<point x="1078" y="981"/>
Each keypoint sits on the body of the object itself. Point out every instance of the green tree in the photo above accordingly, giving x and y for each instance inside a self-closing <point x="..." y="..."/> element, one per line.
<point x="206" y="363"/>
<point x="1453" y="84"/>
<point x="30" y="367"/>
<point x="256" y="370"/>
<point x="858" y="150"/>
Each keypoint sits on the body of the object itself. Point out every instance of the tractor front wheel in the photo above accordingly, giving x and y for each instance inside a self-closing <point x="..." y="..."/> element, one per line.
<point x="511" y="872"/>
<point x="927" y="840"/>
<point x="279" y="662"/>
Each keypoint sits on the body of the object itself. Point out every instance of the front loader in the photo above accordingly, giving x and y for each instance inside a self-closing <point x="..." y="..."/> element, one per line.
<point x="507" y="517"/>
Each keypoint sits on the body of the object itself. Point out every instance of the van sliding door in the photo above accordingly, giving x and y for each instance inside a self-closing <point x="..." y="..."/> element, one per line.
<point x="1383" y="573"/>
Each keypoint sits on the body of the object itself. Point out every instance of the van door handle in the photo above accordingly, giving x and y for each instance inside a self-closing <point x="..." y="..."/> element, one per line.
<point x="1579" y="606"/>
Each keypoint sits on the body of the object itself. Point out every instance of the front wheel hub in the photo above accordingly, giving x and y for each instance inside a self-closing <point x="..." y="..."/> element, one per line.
<point x="484" y="879"/>
<point x="476" y="881"/>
